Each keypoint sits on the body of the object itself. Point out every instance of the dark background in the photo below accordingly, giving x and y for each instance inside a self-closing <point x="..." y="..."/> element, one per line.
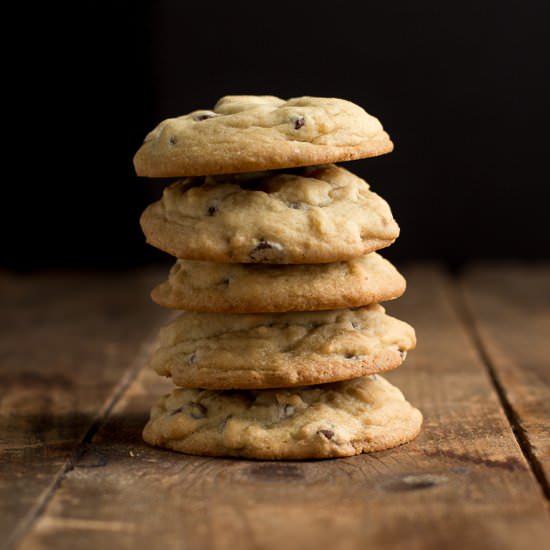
<point x="462" y="88"/>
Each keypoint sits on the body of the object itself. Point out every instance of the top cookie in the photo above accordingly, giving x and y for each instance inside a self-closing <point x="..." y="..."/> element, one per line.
<point x="250" y="133"/>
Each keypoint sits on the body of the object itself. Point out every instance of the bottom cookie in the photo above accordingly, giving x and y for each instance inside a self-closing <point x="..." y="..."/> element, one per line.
<point x="330" y="420"/>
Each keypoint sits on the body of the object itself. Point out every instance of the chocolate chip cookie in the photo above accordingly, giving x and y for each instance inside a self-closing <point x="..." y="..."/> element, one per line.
<point x="255" y="288"/>
<point x="228" y="351"/>
<point x="332" y="420"/>
<point x="316" y="214"/>
<point x="249" y="133"/>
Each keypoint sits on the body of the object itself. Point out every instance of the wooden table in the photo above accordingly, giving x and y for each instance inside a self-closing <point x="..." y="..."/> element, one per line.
<point x="75" y="393"/>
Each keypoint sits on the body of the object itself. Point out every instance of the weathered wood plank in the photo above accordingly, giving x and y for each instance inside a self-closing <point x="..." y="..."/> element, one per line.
<point x="66" y="343"/>
<point x="463" y="483"/>
<point x="510" y="310"/>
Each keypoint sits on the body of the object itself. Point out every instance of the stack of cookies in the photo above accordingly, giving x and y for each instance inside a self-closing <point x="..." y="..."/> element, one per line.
<point x="280" y="339"/>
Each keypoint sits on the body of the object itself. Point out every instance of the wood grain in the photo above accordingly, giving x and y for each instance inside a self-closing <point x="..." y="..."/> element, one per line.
<point x="463" y="482"/>
<point x="68" y="343"/>
<point x="510" y="312"/>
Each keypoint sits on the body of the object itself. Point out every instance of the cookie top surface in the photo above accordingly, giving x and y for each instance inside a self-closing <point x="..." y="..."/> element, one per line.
<point x="315" y="215"/>
<point x="229" y="351"/>
<point x="249" y="133"/>
<point x="256" y="288"/>
<point x="342" y="419"/>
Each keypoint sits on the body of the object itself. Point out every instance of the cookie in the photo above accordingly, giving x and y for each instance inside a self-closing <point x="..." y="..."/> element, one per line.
<point x="255" y="288"/>
<point x="316" y="215"/>
<point x="249" y="133"/>
<point x="333" y="420"/>
<point x="270" y="350"/>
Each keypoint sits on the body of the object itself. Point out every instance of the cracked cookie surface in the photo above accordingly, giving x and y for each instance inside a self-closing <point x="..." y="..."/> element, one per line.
<point x="250" y="288"/>
<point x="248" y="133"/>
<point x="340" y="419"/>
<point x="317" y="214"/>
<point x="229" y="351"/>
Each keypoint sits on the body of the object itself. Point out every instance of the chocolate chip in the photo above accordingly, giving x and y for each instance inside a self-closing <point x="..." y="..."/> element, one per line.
<point x="329" y="434"/>
<point x="197" y="411"/>
<point x="173" y="140"/>
<point x="212" y="210"/>
<point x="266" y="251"/>
<point x="204" y="116"/>
<point x="299" y="122"/>
<point x="176" y="411"/>
<point x="192" y="358"/>
<point x="263" y="245"/>
<point x="355" y="324"/>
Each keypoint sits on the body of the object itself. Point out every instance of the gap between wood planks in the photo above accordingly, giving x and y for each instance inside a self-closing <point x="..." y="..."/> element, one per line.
<point x="467" y="317"/>
<point x="100" y="418"/>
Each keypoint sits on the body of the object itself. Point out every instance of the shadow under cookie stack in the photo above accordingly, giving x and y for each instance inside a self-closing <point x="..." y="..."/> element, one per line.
<point x="280" y="339"/>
